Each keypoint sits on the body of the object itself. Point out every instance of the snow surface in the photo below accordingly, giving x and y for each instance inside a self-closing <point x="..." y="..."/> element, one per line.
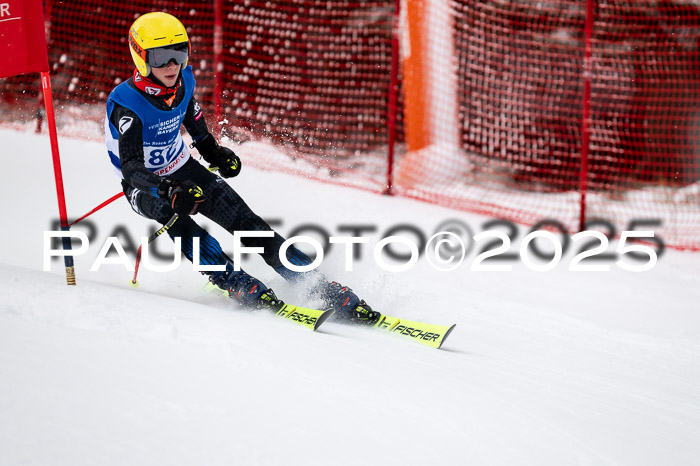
<point x="543" y="368"/>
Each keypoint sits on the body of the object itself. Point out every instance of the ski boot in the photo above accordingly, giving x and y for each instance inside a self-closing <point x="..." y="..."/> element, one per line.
<point x="348" y="307"/>
<point x="245" y="289"/>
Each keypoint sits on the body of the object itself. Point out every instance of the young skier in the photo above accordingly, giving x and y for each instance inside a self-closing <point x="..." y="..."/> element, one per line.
<point x="160" y="178"/>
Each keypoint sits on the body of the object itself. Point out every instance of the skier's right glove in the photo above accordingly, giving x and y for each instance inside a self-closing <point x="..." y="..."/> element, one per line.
<point x="219" y="157"/>
<point x="184" y="196"/>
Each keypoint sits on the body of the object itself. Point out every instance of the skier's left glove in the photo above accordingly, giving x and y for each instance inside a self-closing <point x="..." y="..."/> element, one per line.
<point x="219" y="157"/>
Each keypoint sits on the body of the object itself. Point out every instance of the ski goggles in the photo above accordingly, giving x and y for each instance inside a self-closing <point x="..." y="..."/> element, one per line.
<point x="160" y="57"/>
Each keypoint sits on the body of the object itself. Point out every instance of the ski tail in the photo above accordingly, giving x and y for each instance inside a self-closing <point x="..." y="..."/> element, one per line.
<point x="427" y="334"/>
<point x="309" y="318"/>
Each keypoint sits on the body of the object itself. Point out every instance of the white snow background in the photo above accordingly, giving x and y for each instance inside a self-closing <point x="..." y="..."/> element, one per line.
<point x="544" y="368"/>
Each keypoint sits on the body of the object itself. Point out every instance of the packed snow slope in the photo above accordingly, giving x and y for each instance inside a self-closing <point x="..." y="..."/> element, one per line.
<point x="544" y="368"/>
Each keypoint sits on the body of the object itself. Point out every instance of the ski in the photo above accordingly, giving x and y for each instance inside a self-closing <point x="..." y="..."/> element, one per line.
<point x="309" y="318"/>
<point x="427" y="334"/>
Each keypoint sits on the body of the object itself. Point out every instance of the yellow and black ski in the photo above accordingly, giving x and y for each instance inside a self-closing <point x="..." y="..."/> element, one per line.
<point x="427" y="334"/>
<point x="309" y="318"/>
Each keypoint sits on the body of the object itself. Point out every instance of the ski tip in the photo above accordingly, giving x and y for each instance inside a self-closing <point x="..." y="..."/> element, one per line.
<point x="322" y="318"/>
<point x="447" y="334"/>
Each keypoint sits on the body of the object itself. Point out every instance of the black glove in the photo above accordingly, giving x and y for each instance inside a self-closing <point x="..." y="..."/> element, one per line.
<point x="219" y="157"/>
<point x="184" y="196"/>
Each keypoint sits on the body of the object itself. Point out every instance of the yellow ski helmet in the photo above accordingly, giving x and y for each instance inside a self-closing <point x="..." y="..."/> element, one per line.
<point x="157" y="38"/>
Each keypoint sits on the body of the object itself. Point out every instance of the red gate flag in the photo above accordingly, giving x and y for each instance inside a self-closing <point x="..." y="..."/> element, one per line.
<point x="22" y="37"/>
<point x="23" y="50"/>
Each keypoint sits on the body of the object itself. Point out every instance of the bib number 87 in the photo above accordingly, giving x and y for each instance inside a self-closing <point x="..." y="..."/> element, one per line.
<point x="157" y="158"/>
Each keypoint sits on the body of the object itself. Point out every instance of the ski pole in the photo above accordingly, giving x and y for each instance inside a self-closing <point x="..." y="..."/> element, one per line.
<point x="151" y="238"/>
